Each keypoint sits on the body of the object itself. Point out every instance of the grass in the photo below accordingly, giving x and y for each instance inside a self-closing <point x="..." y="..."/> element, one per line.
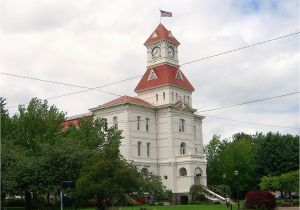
<point x="147" y="207"/>
<point x="178" y="207"/>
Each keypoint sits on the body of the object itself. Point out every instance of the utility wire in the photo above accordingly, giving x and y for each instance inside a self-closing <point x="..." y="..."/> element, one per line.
<point x="224" y="118"/>
<point x="248" y="102"/>
<point x="240" y="48"/>
<point x="113" y="83"/>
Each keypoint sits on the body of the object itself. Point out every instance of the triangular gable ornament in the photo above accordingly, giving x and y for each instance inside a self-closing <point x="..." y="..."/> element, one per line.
<point x="179" y="75"/>
<point x="152" y="75"/>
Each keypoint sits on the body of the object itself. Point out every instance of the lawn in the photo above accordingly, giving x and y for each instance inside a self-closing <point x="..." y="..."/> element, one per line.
<point x="146" y="207"/>
<point x="179" y="207"/>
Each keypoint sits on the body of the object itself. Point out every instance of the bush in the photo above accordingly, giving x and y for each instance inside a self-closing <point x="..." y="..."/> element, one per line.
<point x="260" y="200"/>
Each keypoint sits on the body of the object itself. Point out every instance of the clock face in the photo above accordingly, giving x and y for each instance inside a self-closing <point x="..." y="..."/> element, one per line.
<point x="171" y="52"/>
<point x="156" y="52"/>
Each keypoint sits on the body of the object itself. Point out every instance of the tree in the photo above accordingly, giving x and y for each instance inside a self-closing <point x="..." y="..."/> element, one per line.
<point x="277" y="154"/>
<point x="224" y="157"/>
<point x="287" y="182"/>
<point x="212" y="151"/>
<point x="107" y="179"/>
<point x="33" y="127"/>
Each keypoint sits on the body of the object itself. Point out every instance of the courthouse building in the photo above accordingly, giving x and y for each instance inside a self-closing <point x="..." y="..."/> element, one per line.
<point x="160" y="128"/>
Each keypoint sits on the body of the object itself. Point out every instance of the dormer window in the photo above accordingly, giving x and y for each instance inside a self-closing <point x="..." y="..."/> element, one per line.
<point x="152" y="75"/>
<point x="179" y="75"/>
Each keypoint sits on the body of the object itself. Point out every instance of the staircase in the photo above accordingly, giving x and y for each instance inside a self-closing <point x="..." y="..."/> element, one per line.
<point x="214" y="197"/>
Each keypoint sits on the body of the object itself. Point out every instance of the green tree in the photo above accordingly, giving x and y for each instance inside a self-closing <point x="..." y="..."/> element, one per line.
<point x="30" y="129"/>
<point x="224" y="157"/>
<point x="277" y="154"/>
<point x="287" y="182"/>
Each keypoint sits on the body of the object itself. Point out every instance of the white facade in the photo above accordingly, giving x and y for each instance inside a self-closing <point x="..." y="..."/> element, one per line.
<point x="164" y="134"/>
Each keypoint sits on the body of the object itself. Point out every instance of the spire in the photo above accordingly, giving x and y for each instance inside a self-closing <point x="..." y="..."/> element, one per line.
<point x="161" y="33"/>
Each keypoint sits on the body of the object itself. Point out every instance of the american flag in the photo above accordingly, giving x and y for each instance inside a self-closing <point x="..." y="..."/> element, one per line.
<point x="165" y="14"/>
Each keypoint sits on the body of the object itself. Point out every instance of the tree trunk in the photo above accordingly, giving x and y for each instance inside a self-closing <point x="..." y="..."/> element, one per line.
<point x="48" y="201"/>
<point x="100" y="203"/>
<point x="28" y="205"/>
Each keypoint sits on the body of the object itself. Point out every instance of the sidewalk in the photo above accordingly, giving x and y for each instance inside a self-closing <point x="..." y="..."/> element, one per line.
<point x="288" y="208"/>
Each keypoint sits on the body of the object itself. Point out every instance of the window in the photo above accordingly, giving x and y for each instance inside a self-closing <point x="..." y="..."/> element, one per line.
<point x="164" y="95"/>
<point x="184" y="98"/>
<point x="147" y="124"/>
<point x="181" y="125"/>
<point x="182" y="172"/>
<point x="176" y="96"/>
<point x="182" y="148"/>
<point x="104" y="123"/>
<point x="139" y="148"/>
<point x="115" y="122"/>
<point x="188" y="99"/>
<point x="138" y="124"/>
<point x="172" y="96"/>
<point x="148" y="149"/>
<point x="156" y="97"/>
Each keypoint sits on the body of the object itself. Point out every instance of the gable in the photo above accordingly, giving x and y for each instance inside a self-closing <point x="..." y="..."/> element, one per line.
<point x="165" y="74"/>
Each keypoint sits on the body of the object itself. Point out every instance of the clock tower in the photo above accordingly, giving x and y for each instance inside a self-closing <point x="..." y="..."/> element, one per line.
<point x="162" y="48"/>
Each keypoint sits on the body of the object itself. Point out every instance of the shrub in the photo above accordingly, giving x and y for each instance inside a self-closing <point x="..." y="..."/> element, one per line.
<point x="260" y="200"/>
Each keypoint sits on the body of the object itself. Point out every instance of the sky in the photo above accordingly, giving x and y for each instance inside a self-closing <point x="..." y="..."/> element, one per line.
<point x="94" y="42"/>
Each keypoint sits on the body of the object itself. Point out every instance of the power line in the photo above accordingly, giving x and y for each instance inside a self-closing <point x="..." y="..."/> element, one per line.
<point x="192" y="124"/>
<point x="240" y="48"/>
<point x="248" y="102"/>
<point x="134" y="77"/>
<point x="269" y="125"/>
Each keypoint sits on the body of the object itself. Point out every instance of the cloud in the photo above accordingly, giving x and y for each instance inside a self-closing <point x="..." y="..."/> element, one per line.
<point x="93" y="42"/>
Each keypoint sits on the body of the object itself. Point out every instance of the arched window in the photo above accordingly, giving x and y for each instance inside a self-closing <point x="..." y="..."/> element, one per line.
<point x="156" y="97"/>
<point x="182" y="148"/>
<point x="197" y="175"/>
<point x="115" y="122"/>
<point x="198" y="171"/>
<point x="164" y="95"/>
<point x="182" y="172"/>
<point x="172" y="96"/>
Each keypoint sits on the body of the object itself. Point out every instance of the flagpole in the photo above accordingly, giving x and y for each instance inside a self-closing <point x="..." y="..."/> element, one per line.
<point x="159" y="16"/>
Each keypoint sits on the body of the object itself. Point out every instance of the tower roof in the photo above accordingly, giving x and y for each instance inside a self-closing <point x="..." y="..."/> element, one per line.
<point x="161" y="33"/>
<point x="165" y="74"/>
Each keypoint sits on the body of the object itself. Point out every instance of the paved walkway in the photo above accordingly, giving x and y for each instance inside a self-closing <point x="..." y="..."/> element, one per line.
<point x="288" y="208"/>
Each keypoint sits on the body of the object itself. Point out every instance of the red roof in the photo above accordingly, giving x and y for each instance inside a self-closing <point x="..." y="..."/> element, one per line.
<point x="166" y="74"/>
<point x="161" y="33"/>
<point x="126" y="99"/>
<point x="74" y="120"/>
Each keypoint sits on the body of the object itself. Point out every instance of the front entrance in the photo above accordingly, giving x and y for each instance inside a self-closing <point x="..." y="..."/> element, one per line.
<point x="184" y="199"/>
